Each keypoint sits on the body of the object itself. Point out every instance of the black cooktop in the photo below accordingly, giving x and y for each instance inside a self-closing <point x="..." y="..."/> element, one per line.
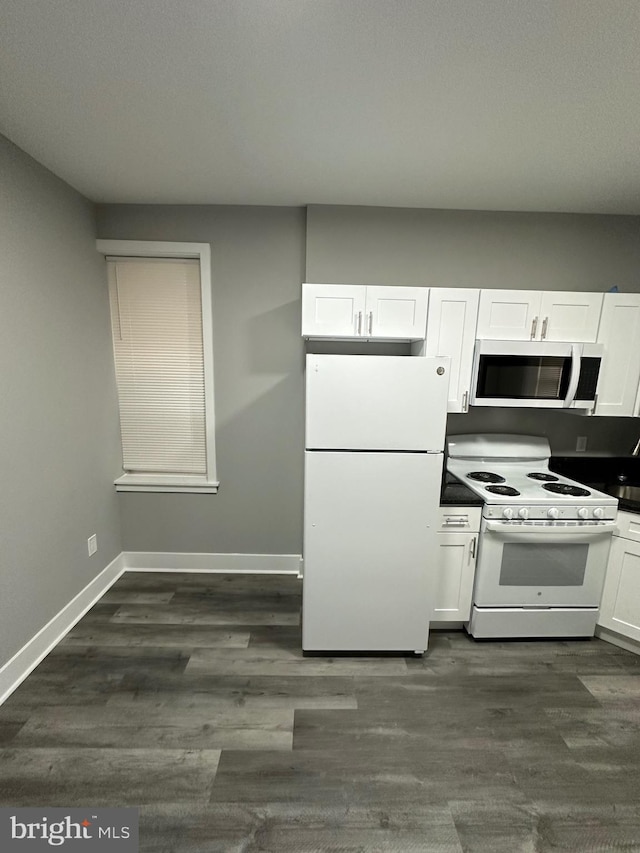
<point x="485" y="477"/>
<point x="503" y="490"/>
<point x="566" y="489"/>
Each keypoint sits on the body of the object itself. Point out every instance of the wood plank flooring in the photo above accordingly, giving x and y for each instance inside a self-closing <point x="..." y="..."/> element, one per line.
<point x="187" y="695"/>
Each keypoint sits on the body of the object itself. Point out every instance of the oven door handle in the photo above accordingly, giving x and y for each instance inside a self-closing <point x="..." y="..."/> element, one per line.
<point x="530" y="534"/>
<point x="576" y="351"/>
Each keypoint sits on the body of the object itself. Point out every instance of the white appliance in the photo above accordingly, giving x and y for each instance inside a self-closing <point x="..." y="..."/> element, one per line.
<point x="536" y="374"/>
<point x="373" y="468"/>
<point x="544" y="539"/>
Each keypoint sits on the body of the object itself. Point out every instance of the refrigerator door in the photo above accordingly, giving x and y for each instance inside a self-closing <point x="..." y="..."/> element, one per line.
<point x="371" y="402"/>
<point x="369" y="550"/>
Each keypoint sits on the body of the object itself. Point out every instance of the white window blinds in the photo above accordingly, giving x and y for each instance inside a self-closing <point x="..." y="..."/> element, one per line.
<point x="156" y="315"/>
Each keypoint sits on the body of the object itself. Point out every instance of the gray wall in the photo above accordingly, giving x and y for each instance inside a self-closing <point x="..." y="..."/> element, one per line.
<point x="259" y="262"/>
<point x="449" y="248"/>
<point x="58" y="413"/>
<point x="458" y="248"/>
<point x="257" y="267"/>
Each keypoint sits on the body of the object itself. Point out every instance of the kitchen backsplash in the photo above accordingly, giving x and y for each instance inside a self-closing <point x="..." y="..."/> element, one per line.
<point x="614" y="436"/>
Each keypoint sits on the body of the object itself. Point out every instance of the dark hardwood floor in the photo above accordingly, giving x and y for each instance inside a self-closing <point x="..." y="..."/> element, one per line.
<point x="187" y="695"/>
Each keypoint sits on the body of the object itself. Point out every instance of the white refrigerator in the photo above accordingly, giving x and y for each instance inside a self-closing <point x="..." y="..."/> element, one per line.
<point x="374" y="440"/>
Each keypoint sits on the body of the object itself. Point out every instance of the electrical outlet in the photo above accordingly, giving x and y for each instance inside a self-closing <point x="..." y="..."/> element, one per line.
<point x="581" y="443"/>
<point x="92" y="544"/>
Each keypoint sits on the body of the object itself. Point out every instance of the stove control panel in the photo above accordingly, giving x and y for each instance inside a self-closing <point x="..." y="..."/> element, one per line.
<point x="550" y="513"/>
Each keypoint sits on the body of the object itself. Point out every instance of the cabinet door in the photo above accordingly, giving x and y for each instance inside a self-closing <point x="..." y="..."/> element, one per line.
<point x="620" y="606"/>
<point x="333" y="310"/>
<point x="454" y="577"/>
<point x="451" y="331"/>
<point x="396" y="312"/>
<point x="567" y="316"/>
<point x="620" y="370"/>
<point x="508" y="315"/>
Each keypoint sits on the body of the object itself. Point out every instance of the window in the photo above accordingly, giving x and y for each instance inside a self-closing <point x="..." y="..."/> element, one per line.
<point x="160" y="298"/>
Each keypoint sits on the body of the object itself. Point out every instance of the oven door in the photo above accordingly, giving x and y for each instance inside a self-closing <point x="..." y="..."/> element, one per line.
<point x="534" y="564"/>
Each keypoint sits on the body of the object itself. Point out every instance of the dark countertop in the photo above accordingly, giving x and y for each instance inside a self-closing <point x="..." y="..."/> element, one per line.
<point x="601" y="473"/>
<point x="454" y="493"/>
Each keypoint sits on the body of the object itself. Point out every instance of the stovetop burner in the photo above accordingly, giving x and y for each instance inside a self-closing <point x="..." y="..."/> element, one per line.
<point x="503" y="490"/>
<point x="485" y="477"/>
<point x="539" y="475"/>
<point x="566" y="489"/>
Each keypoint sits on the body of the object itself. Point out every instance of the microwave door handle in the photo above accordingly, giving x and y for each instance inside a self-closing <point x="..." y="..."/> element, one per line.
<point x="575" y="376"/>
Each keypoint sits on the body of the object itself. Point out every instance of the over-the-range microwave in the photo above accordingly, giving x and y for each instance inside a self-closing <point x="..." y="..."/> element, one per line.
<point x="538" y="374"/>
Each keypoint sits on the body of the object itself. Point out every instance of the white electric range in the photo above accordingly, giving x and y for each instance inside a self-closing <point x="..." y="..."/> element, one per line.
<point x="544" y="539"/>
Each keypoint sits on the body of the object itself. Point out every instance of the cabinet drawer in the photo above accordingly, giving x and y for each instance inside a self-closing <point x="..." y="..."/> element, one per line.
<point x="629" y="526"/>
<point x="465" y="518"/>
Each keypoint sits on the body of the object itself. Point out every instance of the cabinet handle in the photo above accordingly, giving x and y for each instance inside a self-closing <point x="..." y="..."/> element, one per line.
<point x="456" y="522"/>
<point x="465" y="401"/>
<point x="370" y="322"/>
<point x="544" y="328"/>
<point x="472" y="549"/>
<point x="534" y="326"/>
<point x="359" y="322"/>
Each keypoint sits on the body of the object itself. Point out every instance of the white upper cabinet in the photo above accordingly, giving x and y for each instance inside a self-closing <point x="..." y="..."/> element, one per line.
<point x="333" y="310"/>
<point x="619" y="381"/>
<point x="569" y="316"/>
<point x="508" y="315"/>
<point x="396" y="312"/>
<point x="532" y="315"/>
<point x="364" y="311"/>
<point x="451" y="331"/>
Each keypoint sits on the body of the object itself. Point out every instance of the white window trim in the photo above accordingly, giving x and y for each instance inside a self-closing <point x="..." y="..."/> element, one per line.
<point x="202" y="252"/>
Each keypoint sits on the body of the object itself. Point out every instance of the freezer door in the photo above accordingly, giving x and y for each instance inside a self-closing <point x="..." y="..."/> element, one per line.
<point x="369" y="402"/>
<point x="369" y="550"/>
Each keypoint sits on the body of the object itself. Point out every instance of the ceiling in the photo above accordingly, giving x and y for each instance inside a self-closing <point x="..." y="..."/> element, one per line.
<point x="475" y="104"/>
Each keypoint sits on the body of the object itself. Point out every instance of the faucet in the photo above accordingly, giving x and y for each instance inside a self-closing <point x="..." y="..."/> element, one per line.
<point x="636" y="449"/>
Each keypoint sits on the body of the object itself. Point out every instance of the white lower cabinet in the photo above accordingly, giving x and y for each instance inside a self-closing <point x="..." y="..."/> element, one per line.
<point x="455" y="563"/>
<point x="620" y="605"/>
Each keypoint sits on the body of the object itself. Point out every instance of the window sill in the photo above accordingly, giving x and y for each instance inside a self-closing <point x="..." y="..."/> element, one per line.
<point x="166" y="483"/>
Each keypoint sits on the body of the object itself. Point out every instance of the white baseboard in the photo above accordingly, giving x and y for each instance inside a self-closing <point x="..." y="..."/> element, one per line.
<point x="13" y="673"/>
<point x="170" y="561"/>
